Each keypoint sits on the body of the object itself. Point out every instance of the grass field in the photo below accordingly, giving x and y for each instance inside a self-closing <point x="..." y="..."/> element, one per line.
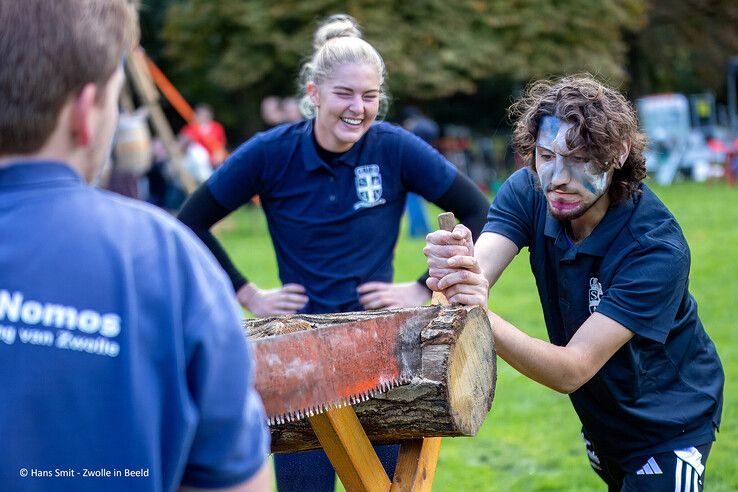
<point x="530" y="440"/>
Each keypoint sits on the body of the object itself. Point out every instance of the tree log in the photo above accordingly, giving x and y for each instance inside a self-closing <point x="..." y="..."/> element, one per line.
<point x="451" y="389"/>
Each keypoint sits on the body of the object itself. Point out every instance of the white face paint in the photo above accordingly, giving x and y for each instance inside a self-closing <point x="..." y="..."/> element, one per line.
<point x="570" y="179"/>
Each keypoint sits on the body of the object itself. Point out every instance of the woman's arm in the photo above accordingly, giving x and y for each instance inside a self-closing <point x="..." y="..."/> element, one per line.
<point x="200" y="212"/>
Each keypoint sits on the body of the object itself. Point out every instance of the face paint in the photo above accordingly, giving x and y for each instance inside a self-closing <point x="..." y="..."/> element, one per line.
<point x="570" y="178"/>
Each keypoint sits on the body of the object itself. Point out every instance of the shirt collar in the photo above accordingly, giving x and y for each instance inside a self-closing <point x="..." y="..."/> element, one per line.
<point x="310" y="155"/>
<point x="38" y="172"/>
<point x="603" y="235"/>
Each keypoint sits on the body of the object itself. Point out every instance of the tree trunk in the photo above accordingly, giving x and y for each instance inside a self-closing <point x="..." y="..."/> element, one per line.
<point x="451" y="387"/>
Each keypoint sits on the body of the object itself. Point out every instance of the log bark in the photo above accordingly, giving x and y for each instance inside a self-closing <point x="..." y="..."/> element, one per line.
<point x="451" y="389"/>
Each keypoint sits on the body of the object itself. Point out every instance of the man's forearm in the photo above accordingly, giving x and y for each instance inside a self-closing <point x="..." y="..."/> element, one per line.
<point x="563" y="369"/>
<point x="539" y="360"/>
<point x="494" y="253"/>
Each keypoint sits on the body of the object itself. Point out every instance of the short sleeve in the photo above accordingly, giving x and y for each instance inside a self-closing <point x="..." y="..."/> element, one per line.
<point x="647" y="290"/>
<point x="231" y="441"/>
<point x="513" y="210"/>
<point x="239" y="178"/>
<point x="424" y="170"/>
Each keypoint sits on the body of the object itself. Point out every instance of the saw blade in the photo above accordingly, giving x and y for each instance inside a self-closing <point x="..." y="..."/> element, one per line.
<point x="307" y="372"/>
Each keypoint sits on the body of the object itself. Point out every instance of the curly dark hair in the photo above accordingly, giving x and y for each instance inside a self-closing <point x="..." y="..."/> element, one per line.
<point x="602" y="121"/>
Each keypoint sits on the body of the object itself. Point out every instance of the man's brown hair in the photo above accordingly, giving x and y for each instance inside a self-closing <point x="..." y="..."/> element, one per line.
<point x="49" y="49"/>
<point x="602" y="119"/>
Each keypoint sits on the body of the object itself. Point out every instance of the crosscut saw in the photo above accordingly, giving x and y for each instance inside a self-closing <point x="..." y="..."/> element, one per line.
<point x="307" y="372"/>
<point x="304" y="373"/>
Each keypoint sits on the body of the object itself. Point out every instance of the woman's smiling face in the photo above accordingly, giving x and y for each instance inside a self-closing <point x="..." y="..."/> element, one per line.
<point x="346" y="105"/>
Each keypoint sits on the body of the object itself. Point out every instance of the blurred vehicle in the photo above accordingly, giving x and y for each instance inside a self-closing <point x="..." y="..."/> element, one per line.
<point x="688" y="136"/>
<point x="674" y="145"/>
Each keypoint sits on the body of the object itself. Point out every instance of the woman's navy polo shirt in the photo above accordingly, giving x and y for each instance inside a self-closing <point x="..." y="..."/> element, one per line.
<point x="663" y="389"/>
<point x="333" y="227"/>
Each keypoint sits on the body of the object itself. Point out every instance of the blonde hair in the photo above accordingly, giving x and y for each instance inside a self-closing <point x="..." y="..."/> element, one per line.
<point x="338" y="41"/>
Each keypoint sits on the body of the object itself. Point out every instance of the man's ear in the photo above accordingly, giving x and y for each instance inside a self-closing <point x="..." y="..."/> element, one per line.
<point x="623" y="155"/>
<point x="312" y="92"/>
<point x="81" y="115"/>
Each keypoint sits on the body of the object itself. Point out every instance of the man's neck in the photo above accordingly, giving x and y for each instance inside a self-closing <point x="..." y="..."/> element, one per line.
<point x="579" y="229"/>
<point x="43" y="155"/>
<point x="7" y="160"/>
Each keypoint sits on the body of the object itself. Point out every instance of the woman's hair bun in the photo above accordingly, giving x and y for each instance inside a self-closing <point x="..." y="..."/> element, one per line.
<point x="336" y="26"/>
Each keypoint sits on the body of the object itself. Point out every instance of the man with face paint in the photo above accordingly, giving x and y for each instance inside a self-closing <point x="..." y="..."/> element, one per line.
<point x="572" y="181"/>
<point x="612" y="270"/>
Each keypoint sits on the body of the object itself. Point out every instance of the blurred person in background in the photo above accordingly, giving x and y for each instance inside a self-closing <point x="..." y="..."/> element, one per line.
<point x="208" y="133"/>
<point x="271" y="112"/>
<point x="195" y="158"/>
<point x="291" y="110"/>
<point x="427" y="129"/>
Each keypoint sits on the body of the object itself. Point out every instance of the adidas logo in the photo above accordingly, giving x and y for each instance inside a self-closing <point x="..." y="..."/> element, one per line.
<point x="650" y="468"/>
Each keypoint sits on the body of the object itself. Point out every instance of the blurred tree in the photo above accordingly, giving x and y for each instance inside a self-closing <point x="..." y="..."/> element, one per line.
<point x="684" y="47"/>
<point x="152" y="14"/>
<point x="433" y="48"/>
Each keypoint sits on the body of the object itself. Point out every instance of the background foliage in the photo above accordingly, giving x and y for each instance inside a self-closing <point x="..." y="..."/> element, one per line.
<point x="684" y="46"/>
<point x="472" y="53"/>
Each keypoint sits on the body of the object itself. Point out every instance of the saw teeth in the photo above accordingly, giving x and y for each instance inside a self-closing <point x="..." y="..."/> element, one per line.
<point x="296" y="415"/>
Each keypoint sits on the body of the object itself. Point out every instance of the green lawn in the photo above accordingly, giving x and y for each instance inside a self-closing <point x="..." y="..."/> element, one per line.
<point x="530" y="440"/>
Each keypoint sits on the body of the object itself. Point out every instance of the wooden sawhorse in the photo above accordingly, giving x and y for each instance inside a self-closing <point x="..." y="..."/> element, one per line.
<point x="352" y="455"/>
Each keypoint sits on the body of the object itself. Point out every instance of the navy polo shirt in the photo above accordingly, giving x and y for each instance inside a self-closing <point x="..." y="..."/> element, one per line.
<point x="663" y="389"/>
<point x="333" y="227"/>
<point x="120" y="345"/>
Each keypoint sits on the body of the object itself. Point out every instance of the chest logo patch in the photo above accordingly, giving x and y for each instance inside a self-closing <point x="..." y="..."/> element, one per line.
<point x="368" y="181"/>
<point x="595" y="294"/>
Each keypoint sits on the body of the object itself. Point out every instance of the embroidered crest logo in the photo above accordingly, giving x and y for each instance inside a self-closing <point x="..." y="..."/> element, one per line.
<point x="368" y="182"/>
<point x="595" y="294"/>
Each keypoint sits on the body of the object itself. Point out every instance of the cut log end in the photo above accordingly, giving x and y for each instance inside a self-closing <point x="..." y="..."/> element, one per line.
<point x="471" y="375"/>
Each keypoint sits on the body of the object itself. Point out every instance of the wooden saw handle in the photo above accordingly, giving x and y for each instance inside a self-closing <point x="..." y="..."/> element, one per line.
<point x="446" y="222"/>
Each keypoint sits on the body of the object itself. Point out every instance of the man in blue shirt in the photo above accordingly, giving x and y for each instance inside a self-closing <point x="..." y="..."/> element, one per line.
<point x="612" y="270"/>
<point x="122" y="359"/>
